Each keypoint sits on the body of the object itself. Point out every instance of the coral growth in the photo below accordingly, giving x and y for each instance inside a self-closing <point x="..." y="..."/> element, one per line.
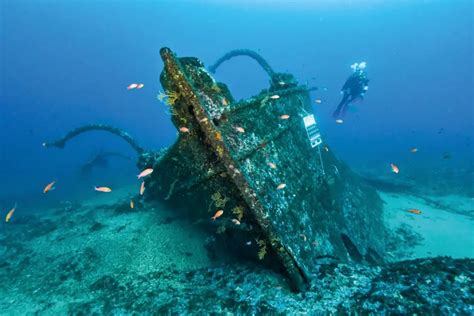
<point x="262" y="249"/>
<point x="219" y="200"/>
<point x="169" y="97"/>
<point x="238" y="211"/>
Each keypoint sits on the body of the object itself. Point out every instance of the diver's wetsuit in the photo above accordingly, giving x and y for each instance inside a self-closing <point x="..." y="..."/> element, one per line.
<point x="355" y="87"/>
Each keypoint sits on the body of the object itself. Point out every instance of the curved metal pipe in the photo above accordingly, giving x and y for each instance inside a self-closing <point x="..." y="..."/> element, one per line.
<point x="244" y="52"/>
<point x="60" y="143"/>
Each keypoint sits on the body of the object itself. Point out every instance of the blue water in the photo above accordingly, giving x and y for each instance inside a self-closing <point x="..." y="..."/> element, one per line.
<point x="67" y="63"/>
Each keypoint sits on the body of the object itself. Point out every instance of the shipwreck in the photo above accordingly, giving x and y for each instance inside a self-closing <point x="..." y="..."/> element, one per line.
<point x="287" y="201"/>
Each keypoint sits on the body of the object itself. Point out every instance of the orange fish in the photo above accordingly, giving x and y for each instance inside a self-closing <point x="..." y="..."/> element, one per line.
<point x="132" y="205"/>
<point x="236" y="221"/>
<point x="284" y="117"/>
<point x="339" y="121"/>
<point x="140" y="85"/>
<point x="239" y="129"/>
<point x="318" y="101"/>
<point x="10" y="214"/>
<point x="281" y="186"/>
<point x="184" y="129"/>
<point x="414" y="211"/>
<point x="274" y="97"/>
<point x="272" y="165"/>
<point x="413" y="150"/>
<point x="218" y="136"/>
<point x="394" y="168"/>
<point x="217" y="215"/>
<point x="132" y="86"/>
<point x="49" y="187"/>
<point x="103" y="189"/>
<point x="142" y="188"/>
<point x="145" y="173"/>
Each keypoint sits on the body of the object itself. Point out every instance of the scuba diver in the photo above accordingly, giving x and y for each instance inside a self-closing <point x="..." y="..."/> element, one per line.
<point x="353" y="89"/>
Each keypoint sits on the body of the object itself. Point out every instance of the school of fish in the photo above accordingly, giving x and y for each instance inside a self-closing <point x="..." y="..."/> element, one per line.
<point x="148" y="171"/>
<point x="103" y="189"/>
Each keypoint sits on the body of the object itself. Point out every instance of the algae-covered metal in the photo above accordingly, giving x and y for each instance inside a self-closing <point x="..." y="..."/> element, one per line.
<point x="254" y="160"/>
<point x="286" y="200"/>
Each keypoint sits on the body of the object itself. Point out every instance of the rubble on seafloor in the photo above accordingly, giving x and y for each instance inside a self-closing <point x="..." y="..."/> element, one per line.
<point x="425" y="286"/>
<point x="89" y="261"/>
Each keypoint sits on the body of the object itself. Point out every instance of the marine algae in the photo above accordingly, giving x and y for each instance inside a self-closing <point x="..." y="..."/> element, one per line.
<point x="262" y="249"/>
<point x="238" y="211"/>
<point x="172" y="97"/>
<point x="219" y="200"/>
<point x="220" y="151"/>
<point x="215" y="88"/>
<point x="169" y="97"/>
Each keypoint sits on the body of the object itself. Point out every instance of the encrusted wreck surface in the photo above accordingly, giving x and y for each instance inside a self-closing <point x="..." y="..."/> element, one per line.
<point x="253" y="159"/>
<point x="286" y="199"/>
